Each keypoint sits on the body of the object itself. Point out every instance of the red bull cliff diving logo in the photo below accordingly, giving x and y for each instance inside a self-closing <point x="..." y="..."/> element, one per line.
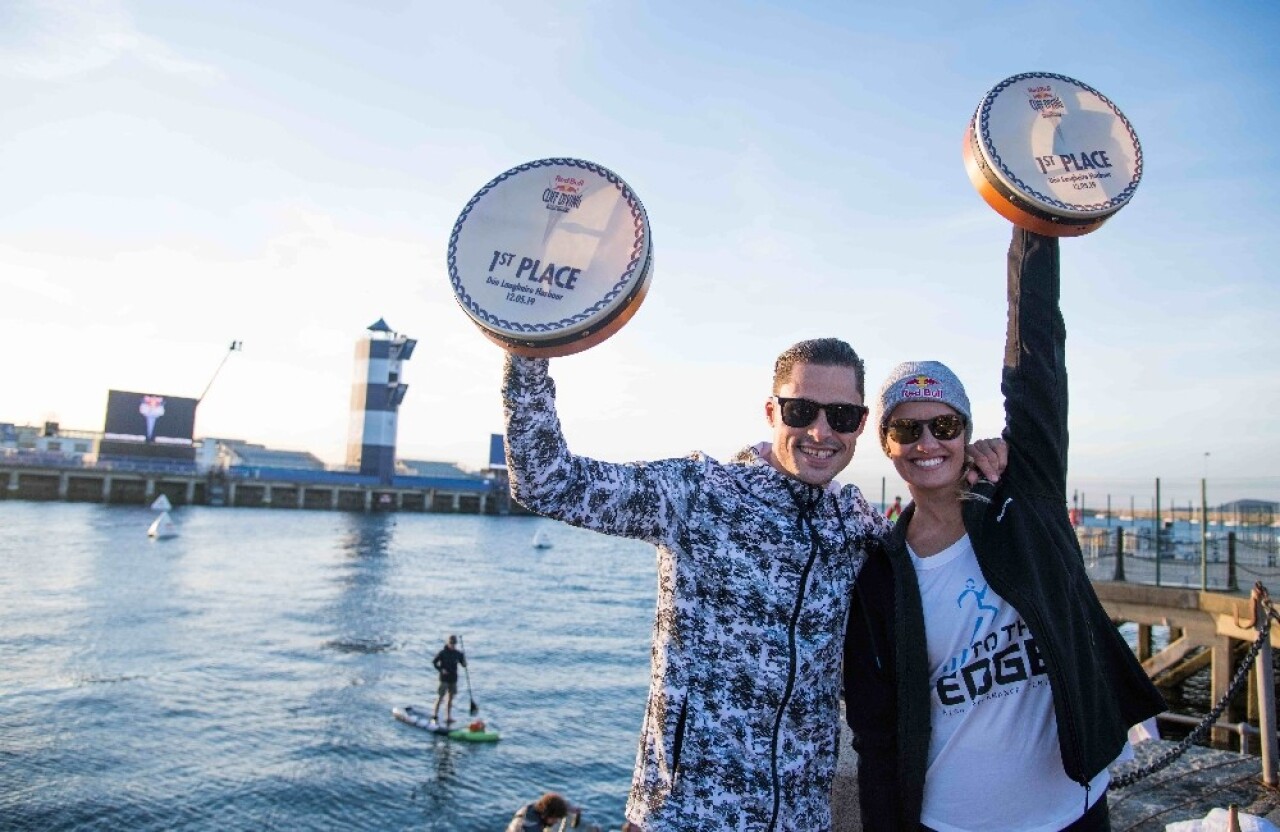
<point x="1045" y="101"/>
<point x="564" y="193"/>
<point x="922" y="387"/>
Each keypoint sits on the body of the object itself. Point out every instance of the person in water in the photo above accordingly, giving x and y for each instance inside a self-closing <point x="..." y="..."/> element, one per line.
<point x="542" y="814"/>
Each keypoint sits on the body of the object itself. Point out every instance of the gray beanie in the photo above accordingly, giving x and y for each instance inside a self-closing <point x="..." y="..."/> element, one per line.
<point x="924" y="381"/>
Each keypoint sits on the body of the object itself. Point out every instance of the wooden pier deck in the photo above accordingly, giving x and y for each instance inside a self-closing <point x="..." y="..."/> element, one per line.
<point x="1199" y="781"/>
<point x="1204" y="628"/>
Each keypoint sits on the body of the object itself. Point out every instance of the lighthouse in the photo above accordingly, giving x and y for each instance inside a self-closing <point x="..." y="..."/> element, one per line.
<point x="376" y="394"/>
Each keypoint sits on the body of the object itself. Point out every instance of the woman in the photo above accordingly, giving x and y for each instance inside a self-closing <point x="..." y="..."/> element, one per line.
<point x="986" y="687"/>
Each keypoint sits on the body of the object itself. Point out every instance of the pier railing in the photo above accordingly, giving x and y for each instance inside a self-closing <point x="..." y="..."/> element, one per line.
<point x="1222" y="563"/>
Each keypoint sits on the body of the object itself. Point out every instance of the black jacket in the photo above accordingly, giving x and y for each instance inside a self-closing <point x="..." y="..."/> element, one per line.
<point x="447" y="661"/>
<point x="1029" y="555"/>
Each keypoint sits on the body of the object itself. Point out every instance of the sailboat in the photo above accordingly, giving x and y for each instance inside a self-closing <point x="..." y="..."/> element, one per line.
<point x="540" y="540"/>
<point x="161" y="504"/>
<point x="163" y="527"/>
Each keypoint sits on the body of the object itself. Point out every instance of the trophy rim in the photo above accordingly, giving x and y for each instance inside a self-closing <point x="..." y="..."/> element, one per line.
<point x="1027" y="198"/>
<point x="624" y="294"/>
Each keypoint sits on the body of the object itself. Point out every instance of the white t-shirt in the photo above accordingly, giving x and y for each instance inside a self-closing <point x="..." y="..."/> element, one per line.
<point x="994" y="762"/>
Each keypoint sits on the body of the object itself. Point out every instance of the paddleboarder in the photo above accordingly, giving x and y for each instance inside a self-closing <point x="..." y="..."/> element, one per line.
<point x="446" y="662"/>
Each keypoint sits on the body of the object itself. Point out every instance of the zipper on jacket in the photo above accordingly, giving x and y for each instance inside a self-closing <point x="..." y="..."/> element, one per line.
<point x="679" y="741"/>
<point x="814" y="547"/>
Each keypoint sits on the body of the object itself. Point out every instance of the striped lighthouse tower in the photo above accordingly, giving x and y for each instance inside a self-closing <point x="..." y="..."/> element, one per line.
<point x="376" y="393"/>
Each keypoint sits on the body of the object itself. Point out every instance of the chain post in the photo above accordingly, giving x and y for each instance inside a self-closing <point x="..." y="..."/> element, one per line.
<point x="1266" y="684"/>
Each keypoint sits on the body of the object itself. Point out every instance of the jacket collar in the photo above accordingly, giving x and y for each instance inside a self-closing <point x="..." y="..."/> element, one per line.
<point x="973" y="510"/>
<point x="762" y="452"/>
<point x="774" y="486"/>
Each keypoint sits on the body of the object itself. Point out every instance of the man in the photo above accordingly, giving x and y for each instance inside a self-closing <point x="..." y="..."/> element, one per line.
<point x="756" y="560"/>
<point x="895" y="510"/>
<point x="446" y="662"/>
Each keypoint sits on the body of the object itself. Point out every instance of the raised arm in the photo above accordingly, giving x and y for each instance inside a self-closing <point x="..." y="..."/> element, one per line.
<point x="1034" y="381"/>
<point x="640" y="500"/>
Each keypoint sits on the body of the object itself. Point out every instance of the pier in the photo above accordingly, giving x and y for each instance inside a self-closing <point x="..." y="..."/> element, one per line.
<point x="1205" y="630"/>
<point x="130" y="483"/>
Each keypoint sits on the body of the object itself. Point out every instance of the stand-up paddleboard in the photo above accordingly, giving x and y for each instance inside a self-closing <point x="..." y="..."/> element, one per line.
<point x="552" y="257"/>
<point x="475" y="731"/>
<point x="420" y="719"/>
<point x="1051" y="154"/>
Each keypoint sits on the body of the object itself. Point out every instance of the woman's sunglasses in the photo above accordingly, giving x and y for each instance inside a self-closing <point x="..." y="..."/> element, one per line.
<point x="944" y="427"/>
<point x="800" y="413"/>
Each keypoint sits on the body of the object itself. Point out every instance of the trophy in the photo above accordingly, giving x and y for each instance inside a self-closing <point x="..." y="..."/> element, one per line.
<point x="1051" y="154"/>
<point x="551" y="257"/>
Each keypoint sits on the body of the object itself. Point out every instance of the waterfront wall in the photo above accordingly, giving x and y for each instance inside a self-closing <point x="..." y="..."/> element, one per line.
<point x="279" y="488"/>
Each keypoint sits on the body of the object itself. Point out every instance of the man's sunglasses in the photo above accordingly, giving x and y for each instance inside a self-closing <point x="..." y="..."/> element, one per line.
<point x="800" y="413"/>
<point x="944" y="427"/>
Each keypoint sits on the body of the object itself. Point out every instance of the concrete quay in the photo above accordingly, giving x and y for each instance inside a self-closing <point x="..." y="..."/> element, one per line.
<point x="133" y="484"/>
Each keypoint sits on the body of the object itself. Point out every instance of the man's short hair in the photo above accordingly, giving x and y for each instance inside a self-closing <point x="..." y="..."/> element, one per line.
<point x="825" y="352"/>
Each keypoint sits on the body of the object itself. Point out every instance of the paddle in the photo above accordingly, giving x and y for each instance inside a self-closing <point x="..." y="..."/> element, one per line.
<point x="475" y="709"/>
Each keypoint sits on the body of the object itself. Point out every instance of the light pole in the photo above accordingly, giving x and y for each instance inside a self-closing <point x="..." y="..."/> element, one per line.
<point x="236" y="346"/>
<point x="1204" y="526"/>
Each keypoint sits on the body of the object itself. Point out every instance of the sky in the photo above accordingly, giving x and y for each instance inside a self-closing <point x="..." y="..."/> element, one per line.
<point x="176" y="175"/>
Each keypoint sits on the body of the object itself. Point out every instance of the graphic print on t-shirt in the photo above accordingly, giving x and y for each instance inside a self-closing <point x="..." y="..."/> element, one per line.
<point x="993" y="651"/>
<point x="995" y="664"/>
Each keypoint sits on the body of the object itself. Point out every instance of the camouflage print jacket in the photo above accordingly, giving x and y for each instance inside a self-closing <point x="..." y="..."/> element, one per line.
<point x="755" y="571"/>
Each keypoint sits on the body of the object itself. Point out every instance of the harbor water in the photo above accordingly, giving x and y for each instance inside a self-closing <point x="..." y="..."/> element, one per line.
<point x="241" y="675"/>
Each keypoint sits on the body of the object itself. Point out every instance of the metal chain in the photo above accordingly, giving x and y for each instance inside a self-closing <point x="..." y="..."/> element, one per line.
<point x="1129" y="778"/>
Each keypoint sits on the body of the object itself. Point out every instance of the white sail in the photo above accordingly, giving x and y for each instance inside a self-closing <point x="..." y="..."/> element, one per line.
<point x="161" y="504"/>
<point x="162" y="527"/>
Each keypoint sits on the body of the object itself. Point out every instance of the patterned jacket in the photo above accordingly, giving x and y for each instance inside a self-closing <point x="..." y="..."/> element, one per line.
<point x="755" y="570"/>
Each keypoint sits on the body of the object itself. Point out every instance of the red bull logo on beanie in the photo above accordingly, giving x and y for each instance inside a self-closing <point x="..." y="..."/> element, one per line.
<point x="922" y="387"/>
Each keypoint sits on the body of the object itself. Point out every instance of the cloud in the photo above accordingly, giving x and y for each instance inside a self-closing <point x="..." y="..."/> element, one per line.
<point x="53" y="40"/>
